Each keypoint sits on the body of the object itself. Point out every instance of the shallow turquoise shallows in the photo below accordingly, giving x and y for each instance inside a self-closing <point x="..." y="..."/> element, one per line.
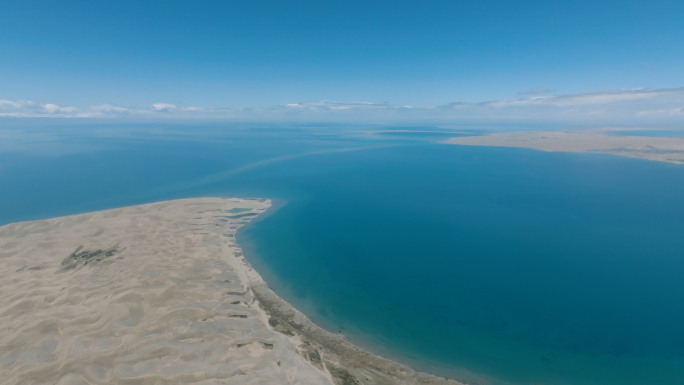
<point x="497" y="266"/>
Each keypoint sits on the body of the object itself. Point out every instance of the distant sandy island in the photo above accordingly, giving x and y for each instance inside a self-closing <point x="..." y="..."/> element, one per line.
<point x="662" y="149"/>
<point x="160" y="294"/>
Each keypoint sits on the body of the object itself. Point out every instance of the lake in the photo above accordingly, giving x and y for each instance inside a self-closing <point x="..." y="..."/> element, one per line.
<point x="493" y="265"/>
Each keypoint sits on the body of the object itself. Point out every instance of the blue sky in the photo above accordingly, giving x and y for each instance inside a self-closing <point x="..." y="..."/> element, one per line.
<point x="265" y="58"/>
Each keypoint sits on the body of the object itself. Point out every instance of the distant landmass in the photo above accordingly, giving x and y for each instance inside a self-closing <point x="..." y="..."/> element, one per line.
<point x="661" y="149"/>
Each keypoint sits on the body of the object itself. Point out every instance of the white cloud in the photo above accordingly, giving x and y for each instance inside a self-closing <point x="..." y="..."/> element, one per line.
<point x="617" y="105"/>
<point x="163" y="107"/>
<point x="665" y="112"/>
<point x="327" y="105"/>
<point x="109" y="108"/>
<point x="9" y="105"/>
<point x="601" y="97"/>
<point x="28" y="108"/>
<point x="653" y="104"/>
<point x="55" y="109"/>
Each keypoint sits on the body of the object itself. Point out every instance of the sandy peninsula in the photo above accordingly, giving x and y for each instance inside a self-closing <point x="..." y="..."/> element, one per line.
<point x="160" y="294"/>
<point x="662" y="149"/>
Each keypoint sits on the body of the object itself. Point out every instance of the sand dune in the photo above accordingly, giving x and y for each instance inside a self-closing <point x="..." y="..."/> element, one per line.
<point x="159" y="294"/>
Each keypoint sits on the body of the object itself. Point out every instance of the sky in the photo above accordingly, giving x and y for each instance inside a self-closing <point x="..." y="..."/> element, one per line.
<point x="605" y="60"/>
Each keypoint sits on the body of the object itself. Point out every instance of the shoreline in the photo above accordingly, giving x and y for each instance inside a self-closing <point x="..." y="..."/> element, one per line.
<point x="157" y="268"/>
<point x="660" y="149"/>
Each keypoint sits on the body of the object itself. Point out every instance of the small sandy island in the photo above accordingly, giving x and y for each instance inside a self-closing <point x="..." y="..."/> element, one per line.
<point x="160" y="294"/>
<point x="662" y="149"/>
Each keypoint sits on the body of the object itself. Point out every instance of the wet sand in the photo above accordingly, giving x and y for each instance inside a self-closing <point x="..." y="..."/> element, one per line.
<point x="158" y="294"/>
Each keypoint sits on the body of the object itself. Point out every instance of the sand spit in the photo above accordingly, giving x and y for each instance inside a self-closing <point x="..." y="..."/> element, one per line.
<point x="662" y="149"/>
<point x="160" y="294"/>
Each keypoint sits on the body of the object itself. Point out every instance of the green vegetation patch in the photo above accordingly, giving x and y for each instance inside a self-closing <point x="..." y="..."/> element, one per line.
<point x="82" y="257"/>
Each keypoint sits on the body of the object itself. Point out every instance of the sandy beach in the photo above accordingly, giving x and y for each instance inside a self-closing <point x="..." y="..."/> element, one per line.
<point x="160" y="294"/>
<point x="662" y="149"/>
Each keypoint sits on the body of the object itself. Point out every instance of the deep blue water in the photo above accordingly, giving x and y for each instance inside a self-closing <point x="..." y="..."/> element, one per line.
<point x="502" y="266"/>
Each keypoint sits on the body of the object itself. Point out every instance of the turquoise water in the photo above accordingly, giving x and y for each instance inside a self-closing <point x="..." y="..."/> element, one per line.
<point x="501" y="266"/>
<point x="425" y="135"/>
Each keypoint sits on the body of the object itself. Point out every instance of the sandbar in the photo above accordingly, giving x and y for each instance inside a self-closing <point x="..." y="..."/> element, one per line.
<point x="661" y="149"/>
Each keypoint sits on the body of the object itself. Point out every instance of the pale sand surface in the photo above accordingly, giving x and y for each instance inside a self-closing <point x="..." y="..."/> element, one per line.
<point x="160" y="294"/>
<point x="662" y="149"/>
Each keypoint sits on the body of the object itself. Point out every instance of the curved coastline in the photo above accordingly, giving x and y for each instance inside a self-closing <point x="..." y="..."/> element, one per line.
<point x="161" y="292"/>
